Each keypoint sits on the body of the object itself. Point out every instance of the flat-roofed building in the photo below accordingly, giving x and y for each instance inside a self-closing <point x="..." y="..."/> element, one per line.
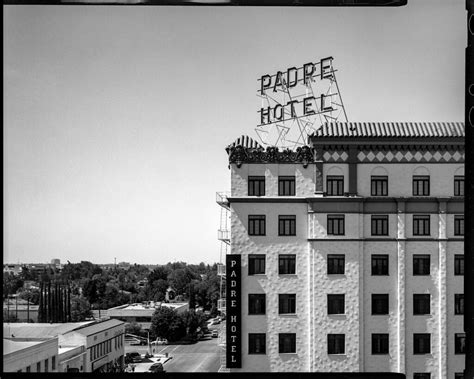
<point x="87" y="346"/>
<point x="142" y="313"/>
<point x="30" y="355"/>
<point x="351" y="251"/>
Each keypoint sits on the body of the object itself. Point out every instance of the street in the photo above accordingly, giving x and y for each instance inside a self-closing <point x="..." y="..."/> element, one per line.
<point x="203" y="356"/>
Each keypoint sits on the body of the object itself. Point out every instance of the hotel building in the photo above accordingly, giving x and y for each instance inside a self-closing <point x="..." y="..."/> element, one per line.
<point x="351" y="252"/>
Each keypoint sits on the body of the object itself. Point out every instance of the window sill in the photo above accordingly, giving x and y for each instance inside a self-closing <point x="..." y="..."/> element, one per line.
<point x="338" y="354"/>
<point x="290" y="275"/>
<point x="379" y="314"/>
<point x="256" y="314"/>
<point x="289" y="353"/>
<point x="257" y="354"/>
<point x="337" y="275"/>
<point x="337" y="315"/>
<point x="257" y="275"/>
<point x="290" y="315"/>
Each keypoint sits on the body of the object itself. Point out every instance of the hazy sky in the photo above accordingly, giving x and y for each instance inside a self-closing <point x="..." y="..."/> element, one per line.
<point x="116" y="118"/>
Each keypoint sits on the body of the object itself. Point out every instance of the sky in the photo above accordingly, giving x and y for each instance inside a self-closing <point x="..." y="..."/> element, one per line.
<point x="116" y="119"/>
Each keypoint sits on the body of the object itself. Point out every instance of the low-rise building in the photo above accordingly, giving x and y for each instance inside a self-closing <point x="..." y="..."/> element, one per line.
<point x="30" y="354"/>
<point x="83" y="347"/>
<point x="141" y="313"/>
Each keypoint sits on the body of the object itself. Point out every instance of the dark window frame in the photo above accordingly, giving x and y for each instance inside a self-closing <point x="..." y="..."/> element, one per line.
<point x="336" y="304"/>
<point x="422" y="375"/>
<point x="381" y="264"/>
<point x="460" y="343"/>
<point x="421" y="264"/>
<point x="421" y="225"/>
<point x="287" y="264"/>
<point x="380" y="343"/>
<point x="379" y="185"/>
<point x="255" y="343"/>
<point x="287" y="186"/>
<point x="459" y="185"/>
<point x="253" y="230"/>
<point x="380" y="304"/>
<point x="335" y="185"/>
<point x="255" y="265"/>
<point x="257" y="304"/>
<point x="286" y="303"/>
<point x="286" y="225"/>
<point x="287" y="343"/>
<point x="334" y="265"/>
<point x="458" y="303"/>
<point x="459" y="225"/>
<point x="335" y="225"/>
<point x="421" y="185"/>
<point x="256" y="186"/>
<point x="379" y="225"/>
<point x="458" y="264"/>
<point x="421" y="343"/>
<point x="334" y="344"/>
<point x="421" y="304"/>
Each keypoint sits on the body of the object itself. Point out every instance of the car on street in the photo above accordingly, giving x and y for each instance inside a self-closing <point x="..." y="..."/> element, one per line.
<point x="160" y="341"/>
<point x="215" y="334"/>
<point x="156" y="367"/>
<point x="133" y="356"/>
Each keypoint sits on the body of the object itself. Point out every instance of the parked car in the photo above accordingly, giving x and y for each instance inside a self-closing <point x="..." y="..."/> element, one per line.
<point x="156" y="367"/>
<point x="160" y="341"/>
<point x="133" y="356"/>
<point x="215" y="333"/>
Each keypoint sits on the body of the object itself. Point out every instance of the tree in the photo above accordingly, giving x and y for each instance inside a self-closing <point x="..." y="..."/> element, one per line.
<point x="135" y="329"/>
<point x="166" y="323"/>
<point x="80" y="309"/>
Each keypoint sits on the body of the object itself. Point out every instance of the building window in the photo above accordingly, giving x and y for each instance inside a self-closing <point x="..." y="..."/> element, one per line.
<point x="422" y="375"/>
<point x="335" y="185"/>
<point x="421" y="225"/>
<point x="458" y="264"/>
<point x="379" y="264"/>
<point x="256" y="264"/>
<point x="421" y="343"/>
<point x="336" y="225"/>
<point x="287" y="303"/>
<point x="257" y="342"/>
<point x="287" y="343"/>
<point x="286" y="264"/>
<point x="336" y="344"/>
<point x="458" y="225"/>
<point x="380" y="303"/>
<point x="458" y="375"/>
<point x="421" y="304"/>
<point x="421" y="264"/>
<point x="256" y="225"/>
<point x="379" y="225"/>
<point x="336" y="263"/>
<point x="256" y="186"/>
<point x="46" y="364"/>
<point x="459" y="304"/>
<point x="256" y="304"/>
<point x="421" y="185"/>
<point x="380" y="343"/>
<point x="53" y="363"/>
<point x="459" y="185"/>
<point x="460" y="343"/>
<point x="379" y="185"/>
<point x="287" y="225"/>
<point x="336" y="304"/>
<point x="38" y="367"/>
<point x="286" y="186"/>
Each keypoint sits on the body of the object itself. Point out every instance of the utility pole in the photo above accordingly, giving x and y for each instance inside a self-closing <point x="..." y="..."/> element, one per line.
<point x="469" y="196"/>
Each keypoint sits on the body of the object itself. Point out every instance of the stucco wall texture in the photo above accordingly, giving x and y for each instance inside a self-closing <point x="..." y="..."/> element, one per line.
<point x="312" y="284"/>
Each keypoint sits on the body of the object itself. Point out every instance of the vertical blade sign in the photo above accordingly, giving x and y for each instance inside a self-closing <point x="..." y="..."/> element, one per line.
<point x="234" y="312"/>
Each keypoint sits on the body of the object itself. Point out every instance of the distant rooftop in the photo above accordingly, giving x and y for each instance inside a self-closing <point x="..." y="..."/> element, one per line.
<point x="391" y="129"/>
<point x="12" y="346"/>
<point x="40" y="330"/>
<point x="147" y="306"/>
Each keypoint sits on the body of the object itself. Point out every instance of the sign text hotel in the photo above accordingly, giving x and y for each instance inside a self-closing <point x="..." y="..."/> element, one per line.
<point x="234" y="311"/>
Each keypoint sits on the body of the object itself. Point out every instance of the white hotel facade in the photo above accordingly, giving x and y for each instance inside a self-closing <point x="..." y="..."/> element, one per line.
<point x="351" y="250"/>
